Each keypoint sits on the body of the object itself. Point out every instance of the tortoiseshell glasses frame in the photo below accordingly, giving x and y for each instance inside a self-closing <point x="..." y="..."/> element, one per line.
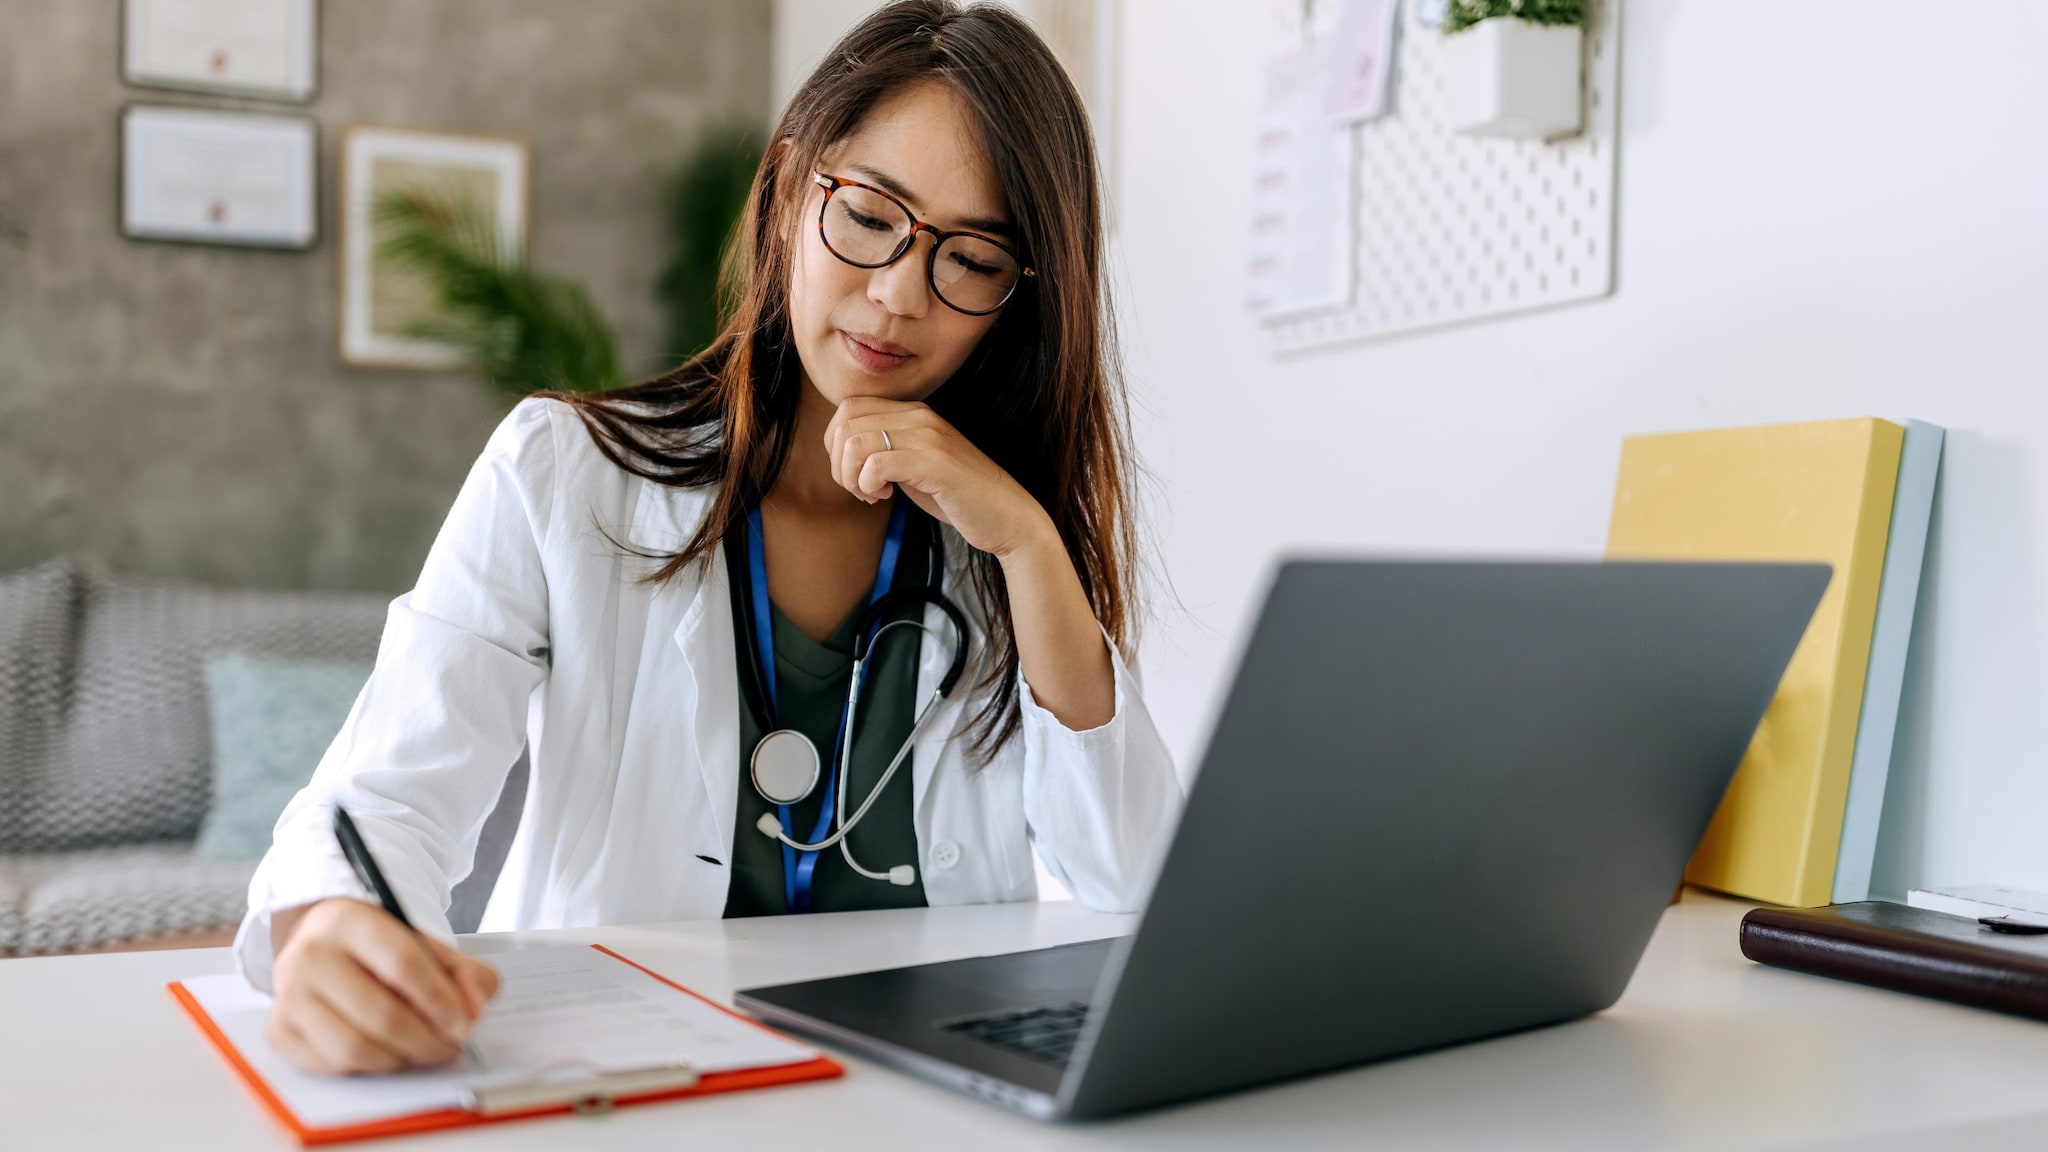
<point x="995" y="268"/>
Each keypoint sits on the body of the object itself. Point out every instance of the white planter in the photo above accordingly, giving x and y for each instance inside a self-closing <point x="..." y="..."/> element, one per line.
<point x="1508" y="77"/>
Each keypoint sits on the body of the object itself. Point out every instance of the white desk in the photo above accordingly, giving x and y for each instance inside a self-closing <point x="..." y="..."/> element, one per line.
<point x="1704" y="1051"/>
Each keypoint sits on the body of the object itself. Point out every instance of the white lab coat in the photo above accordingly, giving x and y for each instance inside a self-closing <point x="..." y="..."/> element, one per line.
<point x="526" y="631"/>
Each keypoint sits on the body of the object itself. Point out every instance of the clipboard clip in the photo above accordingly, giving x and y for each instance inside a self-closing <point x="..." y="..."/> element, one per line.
<point x="587" y="1093"/>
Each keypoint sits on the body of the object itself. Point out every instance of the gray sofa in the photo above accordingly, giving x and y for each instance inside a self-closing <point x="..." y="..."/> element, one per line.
<point x="106" y="758"/>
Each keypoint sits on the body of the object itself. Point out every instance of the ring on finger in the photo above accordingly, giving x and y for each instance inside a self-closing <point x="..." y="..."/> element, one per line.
<point x="886" y="445"/>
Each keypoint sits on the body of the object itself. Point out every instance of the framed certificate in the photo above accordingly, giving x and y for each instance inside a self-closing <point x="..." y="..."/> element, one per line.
<point x="219" y="177"/>
<point x="383" y="303"/>
<point x="261" y="48"/>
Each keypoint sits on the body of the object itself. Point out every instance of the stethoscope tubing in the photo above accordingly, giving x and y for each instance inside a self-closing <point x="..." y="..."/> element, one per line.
<point x="834" y="825"/>
<point x="843" y="824"/>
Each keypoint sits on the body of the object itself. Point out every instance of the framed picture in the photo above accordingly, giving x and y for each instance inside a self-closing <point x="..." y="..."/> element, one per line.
<point x="218" y="177"/>
<point x="382" y="302"/>
<point x="261" y="48"/>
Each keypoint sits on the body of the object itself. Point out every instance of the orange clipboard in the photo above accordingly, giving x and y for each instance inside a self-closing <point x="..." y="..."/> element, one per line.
<point x="821" y="1068"/>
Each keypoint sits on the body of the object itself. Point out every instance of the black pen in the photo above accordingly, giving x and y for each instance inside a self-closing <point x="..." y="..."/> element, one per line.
<point x="359" y="858"/>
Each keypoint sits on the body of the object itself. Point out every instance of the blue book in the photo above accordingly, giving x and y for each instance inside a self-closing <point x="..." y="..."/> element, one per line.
<point x="1898" y="595"/>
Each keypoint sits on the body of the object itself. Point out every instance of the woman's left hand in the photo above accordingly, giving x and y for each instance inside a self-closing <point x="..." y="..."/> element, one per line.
<point x="1061" y="652"/>
<point x="941" y="470"/>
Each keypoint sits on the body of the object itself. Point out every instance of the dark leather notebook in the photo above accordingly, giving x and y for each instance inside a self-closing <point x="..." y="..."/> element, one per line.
<point x="1906" y="950"/>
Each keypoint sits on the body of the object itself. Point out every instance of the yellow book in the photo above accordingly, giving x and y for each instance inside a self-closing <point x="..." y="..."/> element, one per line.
<point x="1819" y="491"/>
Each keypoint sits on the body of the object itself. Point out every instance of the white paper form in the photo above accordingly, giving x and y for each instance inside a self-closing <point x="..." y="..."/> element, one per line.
<point x="1359" y="67"/>
<point x="1300" y="245"/>
<point x="555" y="1004"/>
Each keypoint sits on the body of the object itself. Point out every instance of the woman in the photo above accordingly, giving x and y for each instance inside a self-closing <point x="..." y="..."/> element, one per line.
<point x="912" y="402"/>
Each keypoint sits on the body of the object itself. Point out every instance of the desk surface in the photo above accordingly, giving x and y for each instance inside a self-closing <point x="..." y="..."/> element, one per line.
<point x="1705" y="1050"/>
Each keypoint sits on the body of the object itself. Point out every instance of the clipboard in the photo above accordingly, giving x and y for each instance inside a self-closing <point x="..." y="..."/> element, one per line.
<point x="566" y="1089"/>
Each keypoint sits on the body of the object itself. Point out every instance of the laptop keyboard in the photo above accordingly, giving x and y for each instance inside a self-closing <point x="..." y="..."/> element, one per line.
<point x="1045" y="1034"/>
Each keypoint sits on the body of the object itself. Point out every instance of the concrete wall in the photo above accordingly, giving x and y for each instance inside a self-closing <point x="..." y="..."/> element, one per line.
<point x="179" y="410"/>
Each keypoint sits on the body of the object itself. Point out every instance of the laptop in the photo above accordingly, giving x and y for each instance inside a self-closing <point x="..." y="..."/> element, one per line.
<point x="1442" y="801"/>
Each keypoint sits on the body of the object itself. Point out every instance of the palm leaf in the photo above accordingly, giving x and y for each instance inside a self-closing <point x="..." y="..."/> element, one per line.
<point x="707" y="199"/>
<point x="526" y="331"/>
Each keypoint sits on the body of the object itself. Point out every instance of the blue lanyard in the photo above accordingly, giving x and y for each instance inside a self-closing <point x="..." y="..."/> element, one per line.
<point x="798" y="866"/>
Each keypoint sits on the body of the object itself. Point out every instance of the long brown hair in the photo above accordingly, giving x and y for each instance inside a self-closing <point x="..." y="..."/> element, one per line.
<point x="1040" y="395"/>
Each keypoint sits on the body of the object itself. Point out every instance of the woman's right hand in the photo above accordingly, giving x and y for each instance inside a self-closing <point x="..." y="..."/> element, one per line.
<point x="357" y="991"/>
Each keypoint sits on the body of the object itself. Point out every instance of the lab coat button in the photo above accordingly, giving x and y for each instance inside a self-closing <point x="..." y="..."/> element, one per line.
<point x="945" y="854"/>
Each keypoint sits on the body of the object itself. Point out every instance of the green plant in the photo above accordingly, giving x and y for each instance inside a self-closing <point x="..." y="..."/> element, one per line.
<point x="1462" y="14"/>
<point x="527" y="331"/>
<point x="707" y="198"/>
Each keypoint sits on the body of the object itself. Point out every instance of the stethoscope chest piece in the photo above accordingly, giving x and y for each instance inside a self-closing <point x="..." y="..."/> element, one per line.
<point x="785" y="766"/>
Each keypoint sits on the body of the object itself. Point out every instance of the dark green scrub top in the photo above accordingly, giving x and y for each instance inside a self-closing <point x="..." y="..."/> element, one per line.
<point x="810" y="687"/>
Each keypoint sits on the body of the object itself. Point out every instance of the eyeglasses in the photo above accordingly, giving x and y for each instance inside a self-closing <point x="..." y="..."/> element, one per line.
<point x="868" y="228"/>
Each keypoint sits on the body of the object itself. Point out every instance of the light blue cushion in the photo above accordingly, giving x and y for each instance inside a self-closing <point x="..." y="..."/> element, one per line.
<point x="272" y="721"/>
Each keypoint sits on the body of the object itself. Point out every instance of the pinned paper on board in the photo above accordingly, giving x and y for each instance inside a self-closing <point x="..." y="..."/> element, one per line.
<point x="1435" y="227"/>
<point x="1300" y="244"/>
<point x="1358" y="60"/>
<point x="1329" y="66"/>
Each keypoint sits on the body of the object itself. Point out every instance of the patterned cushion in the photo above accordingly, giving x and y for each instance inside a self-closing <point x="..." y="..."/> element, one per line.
<point x="37" y="617"/>
<point x="272" y="721"/>
<point x="134" y="759"/>
<point x="12" y="897"/>
<point x="61" y="901"/>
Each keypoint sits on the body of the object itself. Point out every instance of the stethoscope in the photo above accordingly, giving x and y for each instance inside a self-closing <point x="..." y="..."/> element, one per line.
<point x="785" y="765"/>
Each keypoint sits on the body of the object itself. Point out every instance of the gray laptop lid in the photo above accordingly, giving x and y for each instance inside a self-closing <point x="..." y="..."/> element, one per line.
<point x="1442" y="801"/>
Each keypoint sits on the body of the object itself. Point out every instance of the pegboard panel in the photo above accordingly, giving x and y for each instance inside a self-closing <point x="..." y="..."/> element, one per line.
<point x="1451" y="228"/>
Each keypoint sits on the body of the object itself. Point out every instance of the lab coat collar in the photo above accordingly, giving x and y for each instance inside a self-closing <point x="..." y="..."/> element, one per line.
<point x="664" y="519"/>
<point x="706" y="636"/>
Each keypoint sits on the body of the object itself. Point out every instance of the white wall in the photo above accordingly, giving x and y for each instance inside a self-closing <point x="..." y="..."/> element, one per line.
<point x="804" y="29"/>
<point x="1831" y="208"/>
